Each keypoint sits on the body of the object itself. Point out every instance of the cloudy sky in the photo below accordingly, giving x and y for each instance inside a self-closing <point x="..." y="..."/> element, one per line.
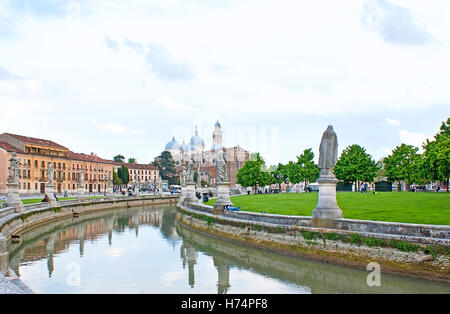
<point x="117" y="76"/>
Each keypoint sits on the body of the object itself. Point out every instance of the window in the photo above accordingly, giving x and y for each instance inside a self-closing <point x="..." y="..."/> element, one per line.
<point x="35" y="186"/>
<point x="35" y="163"/>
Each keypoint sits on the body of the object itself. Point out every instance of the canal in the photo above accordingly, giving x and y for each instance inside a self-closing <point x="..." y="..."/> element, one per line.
<point x="143" y="250"/>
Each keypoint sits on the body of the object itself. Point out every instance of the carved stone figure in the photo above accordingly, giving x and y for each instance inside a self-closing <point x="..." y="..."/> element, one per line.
<point x="328" y="151"/>
<point x="14" y="171"/>
<point x="50" y="175"/>
<point x="80" y="179"/>
<point x="221" y="165"/>
<point x="190" y="171"/>
<point x="183" y="174"/>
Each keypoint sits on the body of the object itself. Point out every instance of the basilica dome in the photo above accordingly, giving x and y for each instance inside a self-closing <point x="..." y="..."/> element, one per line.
<point x="196" y="141"/>
<point x="173" y="145"/>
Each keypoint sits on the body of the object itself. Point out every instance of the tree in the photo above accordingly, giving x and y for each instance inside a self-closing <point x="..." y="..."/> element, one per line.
<point x="436" y="159"/>
<point x="355" y="166"/>
<point x="279" y="175"/>
<point x="254" y="173"/>
<point x="403" y="165"/>
<point x="116" y="179"/>
<point x="166" y="167"/>
<point x="123" y="174"/>
<point x="310" y="171"/>
<point x="119" y="158"/>
<point x="132" y="160"/>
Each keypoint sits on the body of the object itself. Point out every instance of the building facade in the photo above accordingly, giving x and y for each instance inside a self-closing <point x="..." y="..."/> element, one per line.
<point x="235" y="156"/>
<point x="145" y="175"/>
<point x="36" y="154"/>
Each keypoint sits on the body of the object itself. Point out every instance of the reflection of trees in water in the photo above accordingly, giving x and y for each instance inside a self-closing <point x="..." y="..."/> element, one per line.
<point x="168" y="226"/>
<point x="316" y="277"/>
<point x="56" y="237"/>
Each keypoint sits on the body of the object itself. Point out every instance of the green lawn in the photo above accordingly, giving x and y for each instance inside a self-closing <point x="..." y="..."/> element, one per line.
<point x="38" y="200"/>
<point x="421" y="208"/>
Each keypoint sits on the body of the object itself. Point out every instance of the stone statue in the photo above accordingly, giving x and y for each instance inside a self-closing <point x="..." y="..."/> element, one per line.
<point x="328" y="151"/>
<point x="221" y="165"/>
<point x="190" y="171"/>
<point x="183" y="174"/>
<point x="50" y="175"/>
<point x="199" y="182"/>
<point x="80" y="179"/>
<point x="110" y="181"/>
<point x="14" y="171"/>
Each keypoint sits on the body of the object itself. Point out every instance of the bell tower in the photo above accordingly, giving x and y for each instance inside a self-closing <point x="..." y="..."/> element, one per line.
<point x="217" y="136"/>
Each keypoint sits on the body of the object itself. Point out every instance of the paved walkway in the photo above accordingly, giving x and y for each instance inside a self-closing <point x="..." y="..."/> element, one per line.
<point x="14" y="286"/>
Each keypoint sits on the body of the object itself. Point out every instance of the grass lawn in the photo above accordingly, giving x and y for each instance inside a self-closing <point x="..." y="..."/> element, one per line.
<point x="421" y="208"/>
<point x="38" y="200"/>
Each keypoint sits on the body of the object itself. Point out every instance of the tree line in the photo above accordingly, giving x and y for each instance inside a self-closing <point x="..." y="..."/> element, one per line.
<point x="405" y="164"/>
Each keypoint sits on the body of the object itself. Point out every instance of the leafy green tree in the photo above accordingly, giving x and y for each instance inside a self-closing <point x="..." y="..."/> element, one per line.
<point x="294" y="172"/>
<point x="123" y="174"/>
<point x="310" y="171"/>
<point x="132" y="160"/>
<point x="436" y="159"/>
<point x="355" y="166"/>
<point x="116" y="179"/>
<point x="254" y="173"/>
<point x="166" y="167"/>
<point x="119" y="158"/>
<point x="403" y="165"/>
<point x="279" y="175"/>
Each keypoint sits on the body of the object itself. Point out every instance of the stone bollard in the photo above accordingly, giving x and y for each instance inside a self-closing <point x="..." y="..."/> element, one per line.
<point x="3" y="255"/>
<point x="50" y="190"/>
<point x="223" y="197"/>
<point x="327" y="209"/>
<point x="189" y="193"/>
<point x="13" y="198"/>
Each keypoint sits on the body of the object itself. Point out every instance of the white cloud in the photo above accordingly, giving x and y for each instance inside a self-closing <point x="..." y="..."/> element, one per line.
<point x="412" y="138"/>
<point x="174" y="104"/>
<point x="115" y="128"/>
<point x="393" y="121"/>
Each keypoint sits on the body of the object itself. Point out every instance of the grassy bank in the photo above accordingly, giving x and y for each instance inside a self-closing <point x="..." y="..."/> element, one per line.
<point x="421" y="208"/>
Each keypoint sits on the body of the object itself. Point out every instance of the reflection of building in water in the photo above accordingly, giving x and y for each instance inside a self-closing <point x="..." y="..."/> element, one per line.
<point x="223" y="270"/>
<point x="189" y="256"/>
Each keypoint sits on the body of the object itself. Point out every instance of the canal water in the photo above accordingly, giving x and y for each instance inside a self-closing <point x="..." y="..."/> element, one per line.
<point x="144" y="251"/>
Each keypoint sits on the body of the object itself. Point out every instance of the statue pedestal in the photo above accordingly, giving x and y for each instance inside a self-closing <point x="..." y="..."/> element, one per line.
<point x="13" y="198"/>
<point x="49" y="190"/>
<point x="327" y="209"/>
<point x="182" y="195"/>
<point x="189" y="194"/>
<point x="223" y="197"/>
<point x="80" y="195"/>
<point x="109" y="193"/>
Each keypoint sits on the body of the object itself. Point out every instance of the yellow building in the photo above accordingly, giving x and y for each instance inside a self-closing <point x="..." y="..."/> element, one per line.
<point x="35" y="155"/>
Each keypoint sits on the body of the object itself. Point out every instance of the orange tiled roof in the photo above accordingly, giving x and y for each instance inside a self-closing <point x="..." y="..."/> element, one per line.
<point x="36" y="141"/>
<point x="9" y="147"/>
<point x="88" y="158"/>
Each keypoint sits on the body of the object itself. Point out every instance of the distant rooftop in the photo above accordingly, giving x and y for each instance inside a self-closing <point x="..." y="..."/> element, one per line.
<point x="36" y="141"/>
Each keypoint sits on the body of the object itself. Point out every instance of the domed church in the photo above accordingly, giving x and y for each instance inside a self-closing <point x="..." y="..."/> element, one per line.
<point x="234" y="156"/>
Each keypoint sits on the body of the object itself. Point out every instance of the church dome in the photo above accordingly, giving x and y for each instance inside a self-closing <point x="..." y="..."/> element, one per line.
<point x="184" y="147"/>
<point x="173" y="144"/>
<point x="196" y="141"/>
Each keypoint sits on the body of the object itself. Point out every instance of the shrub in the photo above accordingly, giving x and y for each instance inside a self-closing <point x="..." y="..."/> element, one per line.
<point x="355" y="238"/>
<point x="404" y="246"/>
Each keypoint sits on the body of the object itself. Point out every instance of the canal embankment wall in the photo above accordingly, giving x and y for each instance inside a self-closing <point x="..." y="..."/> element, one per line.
<point x="35" y="215"/>
<point x="419" y="250"/>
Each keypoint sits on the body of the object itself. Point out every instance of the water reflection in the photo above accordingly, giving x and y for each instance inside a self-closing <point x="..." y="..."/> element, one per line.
<point x="145" y="251"/>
